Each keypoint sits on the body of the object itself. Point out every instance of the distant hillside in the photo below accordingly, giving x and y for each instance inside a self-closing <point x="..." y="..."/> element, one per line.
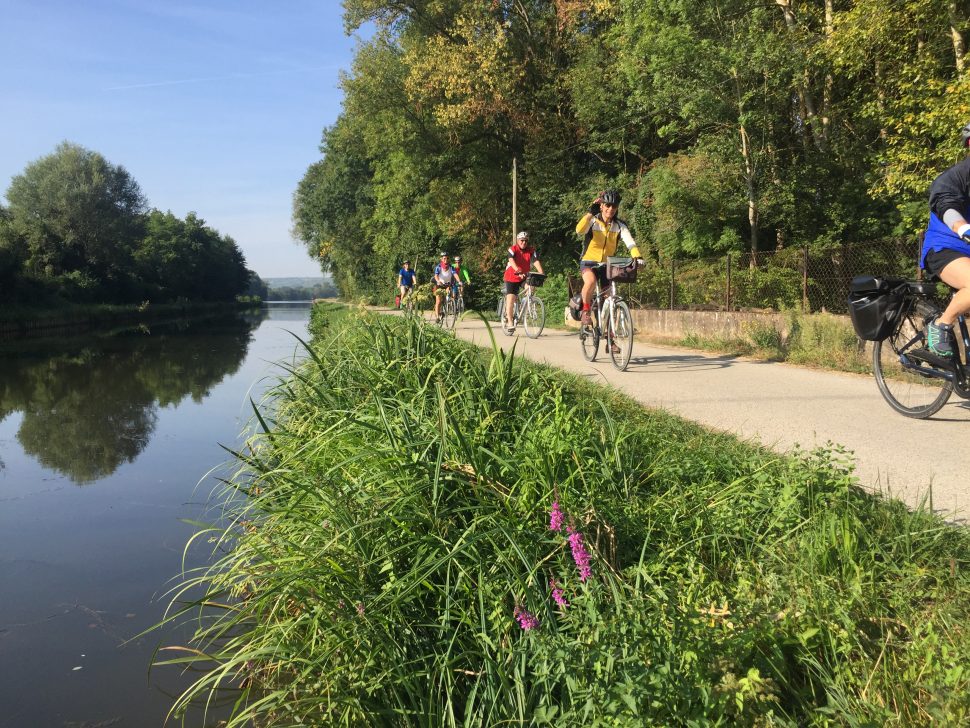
<point x="297" y="282"/>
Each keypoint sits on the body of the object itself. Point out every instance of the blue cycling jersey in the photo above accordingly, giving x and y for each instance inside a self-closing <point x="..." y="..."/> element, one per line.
<point x="407" y="277"/>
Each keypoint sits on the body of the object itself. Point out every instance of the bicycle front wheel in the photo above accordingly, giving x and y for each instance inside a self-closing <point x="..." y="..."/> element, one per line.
<point x="620" y="335"/>
<point x="911" y="391"/>
<point x="451" y="314"/>
<point x="589" y="338"/>
<point x="535" y="317"/>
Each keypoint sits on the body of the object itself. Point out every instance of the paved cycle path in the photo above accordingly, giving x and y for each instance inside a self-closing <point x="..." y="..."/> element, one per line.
<point x="780" y="406"/>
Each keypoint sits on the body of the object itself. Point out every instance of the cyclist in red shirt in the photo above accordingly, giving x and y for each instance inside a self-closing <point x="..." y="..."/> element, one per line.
<point x="522" y="257"/>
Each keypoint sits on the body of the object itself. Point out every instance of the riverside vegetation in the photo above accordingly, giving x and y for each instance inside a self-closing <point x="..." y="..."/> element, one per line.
<point x="426" y="533"/>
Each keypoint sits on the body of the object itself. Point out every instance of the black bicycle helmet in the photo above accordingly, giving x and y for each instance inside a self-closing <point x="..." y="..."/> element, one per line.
<point x="965" y="134"/>
<point x="442" y="254"/>
<point x="407" y="262"/>
<point x="610" y="197"/>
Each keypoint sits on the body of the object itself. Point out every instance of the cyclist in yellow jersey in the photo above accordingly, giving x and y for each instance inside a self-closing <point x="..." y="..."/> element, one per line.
<point x="602" y="231"/>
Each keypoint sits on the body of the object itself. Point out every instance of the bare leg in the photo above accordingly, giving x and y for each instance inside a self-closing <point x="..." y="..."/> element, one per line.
<point x="589" y="286"/>
<point x="956" y="274"/>
<point x="509" y="308"/>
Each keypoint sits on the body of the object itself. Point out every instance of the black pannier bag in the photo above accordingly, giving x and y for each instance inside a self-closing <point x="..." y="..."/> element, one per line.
<point x="874" y="306"/>
<point x="576" y="307"/>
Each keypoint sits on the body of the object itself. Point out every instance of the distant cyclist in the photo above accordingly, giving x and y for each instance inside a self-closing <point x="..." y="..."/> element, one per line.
<point x="443" y="278"/>
<point x="946" y="248"/>
<point x="522" y="257"/>
<point x="601" y="230"/>
<point x="407" y="279"/>
<point x="462" y="278"/>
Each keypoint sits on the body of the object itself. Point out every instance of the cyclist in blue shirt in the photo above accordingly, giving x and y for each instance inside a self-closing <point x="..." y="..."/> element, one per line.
<point x="406" y="280"/>
<point x="946" y="248"/>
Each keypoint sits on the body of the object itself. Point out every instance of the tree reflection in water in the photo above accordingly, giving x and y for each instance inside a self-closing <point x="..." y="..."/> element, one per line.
<point x="91" y="404"/>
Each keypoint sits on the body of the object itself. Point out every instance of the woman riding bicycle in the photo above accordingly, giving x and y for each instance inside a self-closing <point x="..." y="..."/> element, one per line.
<point x="443" y="278"/>
<point x="602" y="230"/>
<point x="522" y="257"/>
<point x="946" y="248"/>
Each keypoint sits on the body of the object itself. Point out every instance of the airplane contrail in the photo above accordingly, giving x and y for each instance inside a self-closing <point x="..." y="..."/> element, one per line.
<point x="230" y="77"/>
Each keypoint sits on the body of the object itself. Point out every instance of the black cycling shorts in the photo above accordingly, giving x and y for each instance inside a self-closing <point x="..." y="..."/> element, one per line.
<point x="937" y="260"/>
<point x="512" y="287"/>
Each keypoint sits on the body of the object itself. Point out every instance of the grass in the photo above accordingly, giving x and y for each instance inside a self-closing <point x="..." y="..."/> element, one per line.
<point x="389" y="561"/>
<point x="817" y="340"/>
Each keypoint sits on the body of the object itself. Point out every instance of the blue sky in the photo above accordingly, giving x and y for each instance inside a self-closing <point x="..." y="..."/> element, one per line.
<point x="216" y="107"/>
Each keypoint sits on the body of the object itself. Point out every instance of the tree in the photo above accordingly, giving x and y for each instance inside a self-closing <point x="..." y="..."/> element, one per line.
<point x="79" y="218"/>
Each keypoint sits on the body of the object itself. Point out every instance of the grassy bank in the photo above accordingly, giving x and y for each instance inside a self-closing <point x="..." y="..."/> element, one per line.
<point x="818" y="340"/>
<point x="428" y="534"/>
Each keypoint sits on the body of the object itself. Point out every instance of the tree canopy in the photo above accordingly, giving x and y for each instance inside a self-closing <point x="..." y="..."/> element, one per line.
<point x="727" y="125"/>
<point x="79" y="226"/>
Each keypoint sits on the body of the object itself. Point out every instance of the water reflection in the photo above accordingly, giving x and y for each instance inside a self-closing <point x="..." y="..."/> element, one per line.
<point x="90" y="405"/>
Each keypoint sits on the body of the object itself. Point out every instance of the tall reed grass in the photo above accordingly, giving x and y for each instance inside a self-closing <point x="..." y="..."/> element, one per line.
<point x="392" y="559"/>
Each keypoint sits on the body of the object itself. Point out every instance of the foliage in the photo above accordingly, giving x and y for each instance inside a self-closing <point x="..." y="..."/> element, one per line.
<point x="77" y="229"/>
<point x="388" y="554"/>
<point x="729" y="127"/>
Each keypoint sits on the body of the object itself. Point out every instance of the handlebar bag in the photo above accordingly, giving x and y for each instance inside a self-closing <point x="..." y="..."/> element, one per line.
<point x="621" y="270"/>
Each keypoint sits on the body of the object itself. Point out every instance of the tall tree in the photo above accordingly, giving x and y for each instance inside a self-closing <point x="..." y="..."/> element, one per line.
<point x="79" y="217"/>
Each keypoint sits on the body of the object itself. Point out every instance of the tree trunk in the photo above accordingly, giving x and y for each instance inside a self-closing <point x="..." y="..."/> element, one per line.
<point x="827" y="88"/>
<point x="802" y="85"/>
<point x="956" y="35"/>
<point x="749" y="175"/>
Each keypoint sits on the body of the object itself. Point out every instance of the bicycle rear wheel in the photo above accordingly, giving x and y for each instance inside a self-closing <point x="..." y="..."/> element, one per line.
<point x="620" y="335"/>
<point x="500" y="309"/>
<point x="911" y="391"/>
<point x="534" y="317"/>
<point x="589" y="337"/>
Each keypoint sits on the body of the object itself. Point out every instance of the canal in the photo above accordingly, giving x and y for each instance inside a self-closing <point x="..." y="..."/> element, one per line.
<point x="108" y="446"/>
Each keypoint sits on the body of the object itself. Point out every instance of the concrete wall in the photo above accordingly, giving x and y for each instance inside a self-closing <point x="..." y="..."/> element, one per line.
<point x="716" y="324"/>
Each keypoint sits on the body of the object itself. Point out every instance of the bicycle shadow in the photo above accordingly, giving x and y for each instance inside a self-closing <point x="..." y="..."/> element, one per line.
<point x="680" y="362"/>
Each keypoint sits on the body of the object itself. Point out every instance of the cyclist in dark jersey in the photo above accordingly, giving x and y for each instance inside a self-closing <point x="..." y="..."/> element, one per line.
<point x="946" y="248"/>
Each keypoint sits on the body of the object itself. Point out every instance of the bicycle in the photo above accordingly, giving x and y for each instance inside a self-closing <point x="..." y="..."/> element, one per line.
<point x="893" y="313"/>
<point x="448" y="313"/>
<point x="609" y="307"/>
<point x="458" y="292"/>
<point x="407" y="301"/>
<point x="528" y="309"/>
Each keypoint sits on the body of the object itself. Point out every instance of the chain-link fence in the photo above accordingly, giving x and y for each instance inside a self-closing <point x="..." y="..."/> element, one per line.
<point x="808" y="279"/>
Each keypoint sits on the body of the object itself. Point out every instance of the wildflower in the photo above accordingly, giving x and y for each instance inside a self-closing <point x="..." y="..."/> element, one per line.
<point x="527" y="620"/>
<point x="580" y="554"/>
<point x="556" y="517"/>
<point x="360" y="609"/>
<point x="558" y="594"/>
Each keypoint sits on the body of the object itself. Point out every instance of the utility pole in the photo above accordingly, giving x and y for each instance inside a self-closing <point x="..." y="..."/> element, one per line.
<point x="515" y="222"/>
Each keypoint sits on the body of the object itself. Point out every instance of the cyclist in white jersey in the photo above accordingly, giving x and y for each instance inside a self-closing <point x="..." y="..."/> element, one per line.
<point x="444" y="276"/>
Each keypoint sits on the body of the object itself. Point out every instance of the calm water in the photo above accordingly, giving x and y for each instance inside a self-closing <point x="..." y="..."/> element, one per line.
<point x="103" y="444"/>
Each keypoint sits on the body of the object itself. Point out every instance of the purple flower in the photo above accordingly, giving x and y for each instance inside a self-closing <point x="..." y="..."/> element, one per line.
<point x="526" y="619"/>
<point x="360" y="609"/>
<point x="580" y="554"/>
<point x="556" y="517"/>
<point x="558" y="595"/>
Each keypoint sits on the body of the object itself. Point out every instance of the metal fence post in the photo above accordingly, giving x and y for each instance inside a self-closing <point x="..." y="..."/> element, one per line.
<point x="673" y="270"/>
<point x="727" y="293"/>
<point x="805" y="279"/>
